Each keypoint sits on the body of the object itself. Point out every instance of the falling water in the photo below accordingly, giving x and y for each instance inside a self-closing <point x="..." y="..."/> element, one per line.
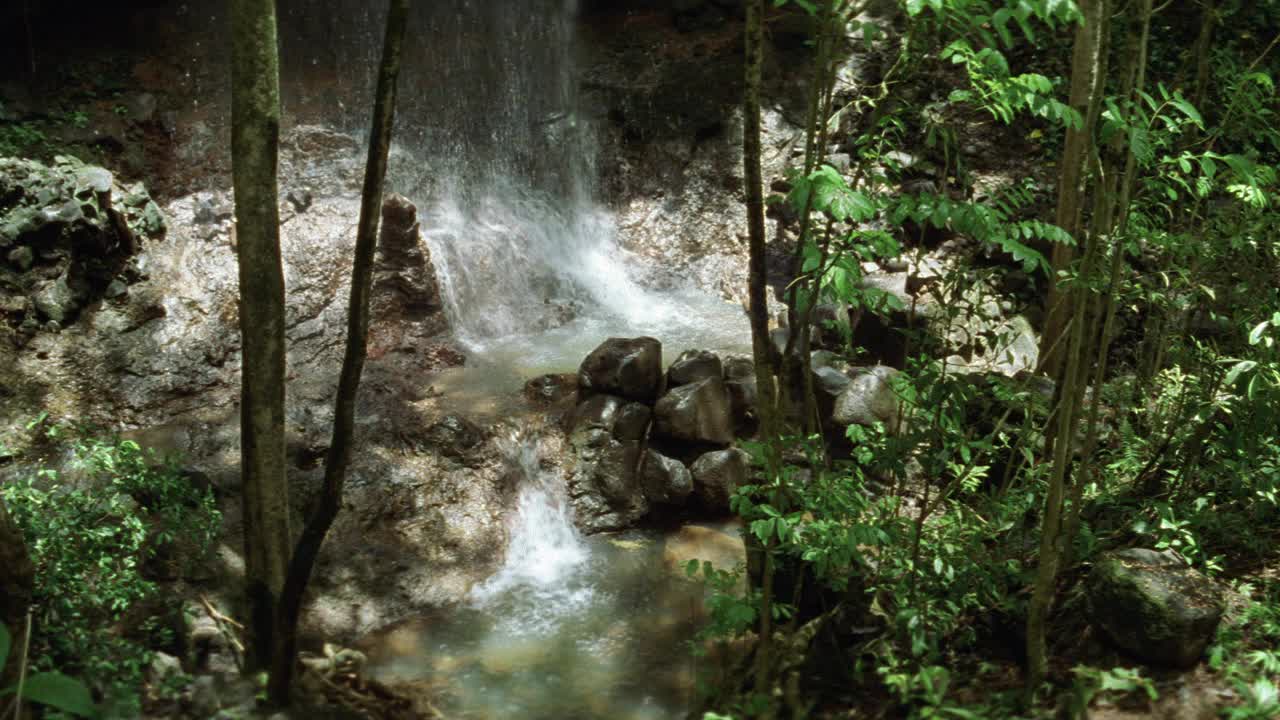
<point x="497" y="147"/>
<point x="545" y="553"/>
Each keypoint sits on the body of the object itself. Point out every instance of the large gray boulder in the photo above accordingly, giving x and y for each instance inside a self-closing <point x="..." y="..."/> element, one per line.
<point x="1154" y="606"/>
<point x="629" y="367"/>
<point x="869" y="398"/>
<point x="694" y="365"/>
<point x="716" y="475"/>
<point x="699" y="412"/>
<point x="665" y="480"/>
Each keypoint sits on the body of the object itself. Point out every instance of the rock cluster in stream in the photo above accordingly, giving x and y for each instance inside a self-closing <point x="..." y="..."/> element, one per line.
<point x="647" y="442"/>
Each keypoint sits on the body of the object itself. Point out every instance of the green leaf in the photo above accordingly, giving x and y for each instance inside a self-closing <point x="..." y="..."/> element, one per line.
<point x="1187" y="109"/>
<point x="4" y="645"/>
<point x="1239" y="368"/>
<point x="61" y="693"/>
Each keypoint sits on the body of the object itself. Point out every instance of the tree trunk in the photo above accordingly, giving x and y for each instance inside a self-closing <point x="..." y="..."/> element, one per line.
<point x="17" y="582"/>
<point x="1068" y="362"/>
<point x="756" y="290"/>
<point x="255" y="135"/>
<point x="1088" y="70"/>
<point x="339" y="455"/>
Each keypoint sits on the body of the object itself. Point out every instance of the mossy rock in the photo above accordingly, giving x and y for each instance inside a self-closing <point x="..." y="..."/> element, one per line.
<point x="1154" y="606"/>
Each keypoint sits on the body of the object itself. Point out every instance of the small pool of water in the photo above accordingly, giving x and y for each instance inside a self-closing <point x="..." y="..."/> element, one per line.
<point x="607" y="639"/>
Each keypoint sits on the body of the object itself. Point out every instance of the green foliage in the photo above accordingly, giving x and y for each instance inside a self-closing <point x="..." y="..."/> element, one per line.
<point x="19" y="139"/>
<point x="51" y="689"/>
<point x="1004" y="95"/>
<point x="1245" y="654"/>
<point x="89" y="538"/>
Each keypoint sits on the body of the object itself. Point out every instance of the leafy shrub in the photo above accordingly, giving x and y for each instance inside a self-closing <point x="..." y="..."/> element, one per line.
<point x="88" y="541"/>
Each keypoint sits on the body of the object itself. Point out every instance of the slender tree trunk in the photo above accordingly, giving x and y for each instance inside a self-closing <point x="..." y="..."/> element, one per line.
<point x="339" y="456"/>
<point x="1134" y="81"/>
<point x="756" y="290"/>
<point x="1066" y="361"/>
<point x="1201" y="53"/>
<point x="1088" y="70"/>
<point x="17" y="582"/>
<point x="255" y="135"/>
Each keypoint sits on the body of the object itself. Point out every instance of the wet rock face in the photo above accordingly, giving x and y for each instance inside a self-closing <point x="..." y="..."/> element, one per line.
<point x="629" y="367"/>
<point x="692" y="366"/>
<point x="716" y="475"/>
<point x="457" y="438"/>
<point x="665" y="480"/>
<point x="68" y="236"/>
<point x="1154" y="606"/>
<point x="699" y="412"/>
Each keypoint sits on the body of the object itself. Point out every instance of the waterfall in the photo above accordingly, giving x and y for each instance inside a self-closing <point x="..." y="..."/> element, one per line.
<point x="518" y="240"/>
<point x="546" y="555"/>
<point x="498" y="149"/>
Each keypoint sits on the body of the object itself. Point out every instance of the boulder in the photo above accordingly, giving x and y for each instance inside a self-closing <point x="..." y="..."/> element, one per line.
<point x="598" y="412"/>
<point x="868" y="399"/>
<point x="1154" y="606"/>
<point x="742" y="402"/>
<point x="625" y="421"/>
<point x="716" y="475"/>
<point x="692" y="366"/>
<point x="828" y="385"/>
<point x="632" y="422"/>
<point x="699" y="412"/>
<point x="629" y="367"/>
<point x="738" y="367"/>
<point x="665" y="480"/>
<point x="603" y="482"/>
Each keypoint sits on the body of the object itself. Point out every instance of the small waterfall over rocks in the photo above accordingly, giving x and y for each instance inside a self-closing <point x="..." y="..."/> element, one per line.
<point x="545" y="551"/>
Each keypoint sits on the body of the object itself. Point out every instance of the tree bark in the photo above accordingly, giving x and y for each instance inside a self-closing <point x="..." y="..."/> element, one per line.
<point x="339" y="455"/>
<point x="1088" y="71"/>
<point x="1067" y="364"/>
<point x="255" y="135"/>
<point x="759" y="311"/>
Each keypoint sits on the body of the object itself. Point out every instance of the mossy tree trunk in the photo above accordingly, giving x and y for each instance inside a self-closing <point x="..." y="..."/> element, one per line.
<point x="255" y="135"/>
<point x="339" y="455"/>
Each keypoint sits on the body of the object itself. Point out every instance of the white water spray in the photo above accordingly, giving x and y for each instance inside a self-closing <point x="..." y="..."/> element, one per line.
<point x="546" y="554"/>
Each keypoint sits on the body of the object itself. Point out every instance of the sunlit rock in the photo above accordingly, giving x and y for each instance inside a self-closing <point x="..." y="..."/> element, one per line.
<point x="630" y="367"/>
<point x="869" y="398"/>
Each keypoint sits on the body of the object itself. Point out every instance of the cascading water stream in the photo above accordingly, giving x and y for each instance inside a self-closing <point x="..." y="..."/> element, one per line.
<point x="494" y="146"/>
<point x="546" y="554"/>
